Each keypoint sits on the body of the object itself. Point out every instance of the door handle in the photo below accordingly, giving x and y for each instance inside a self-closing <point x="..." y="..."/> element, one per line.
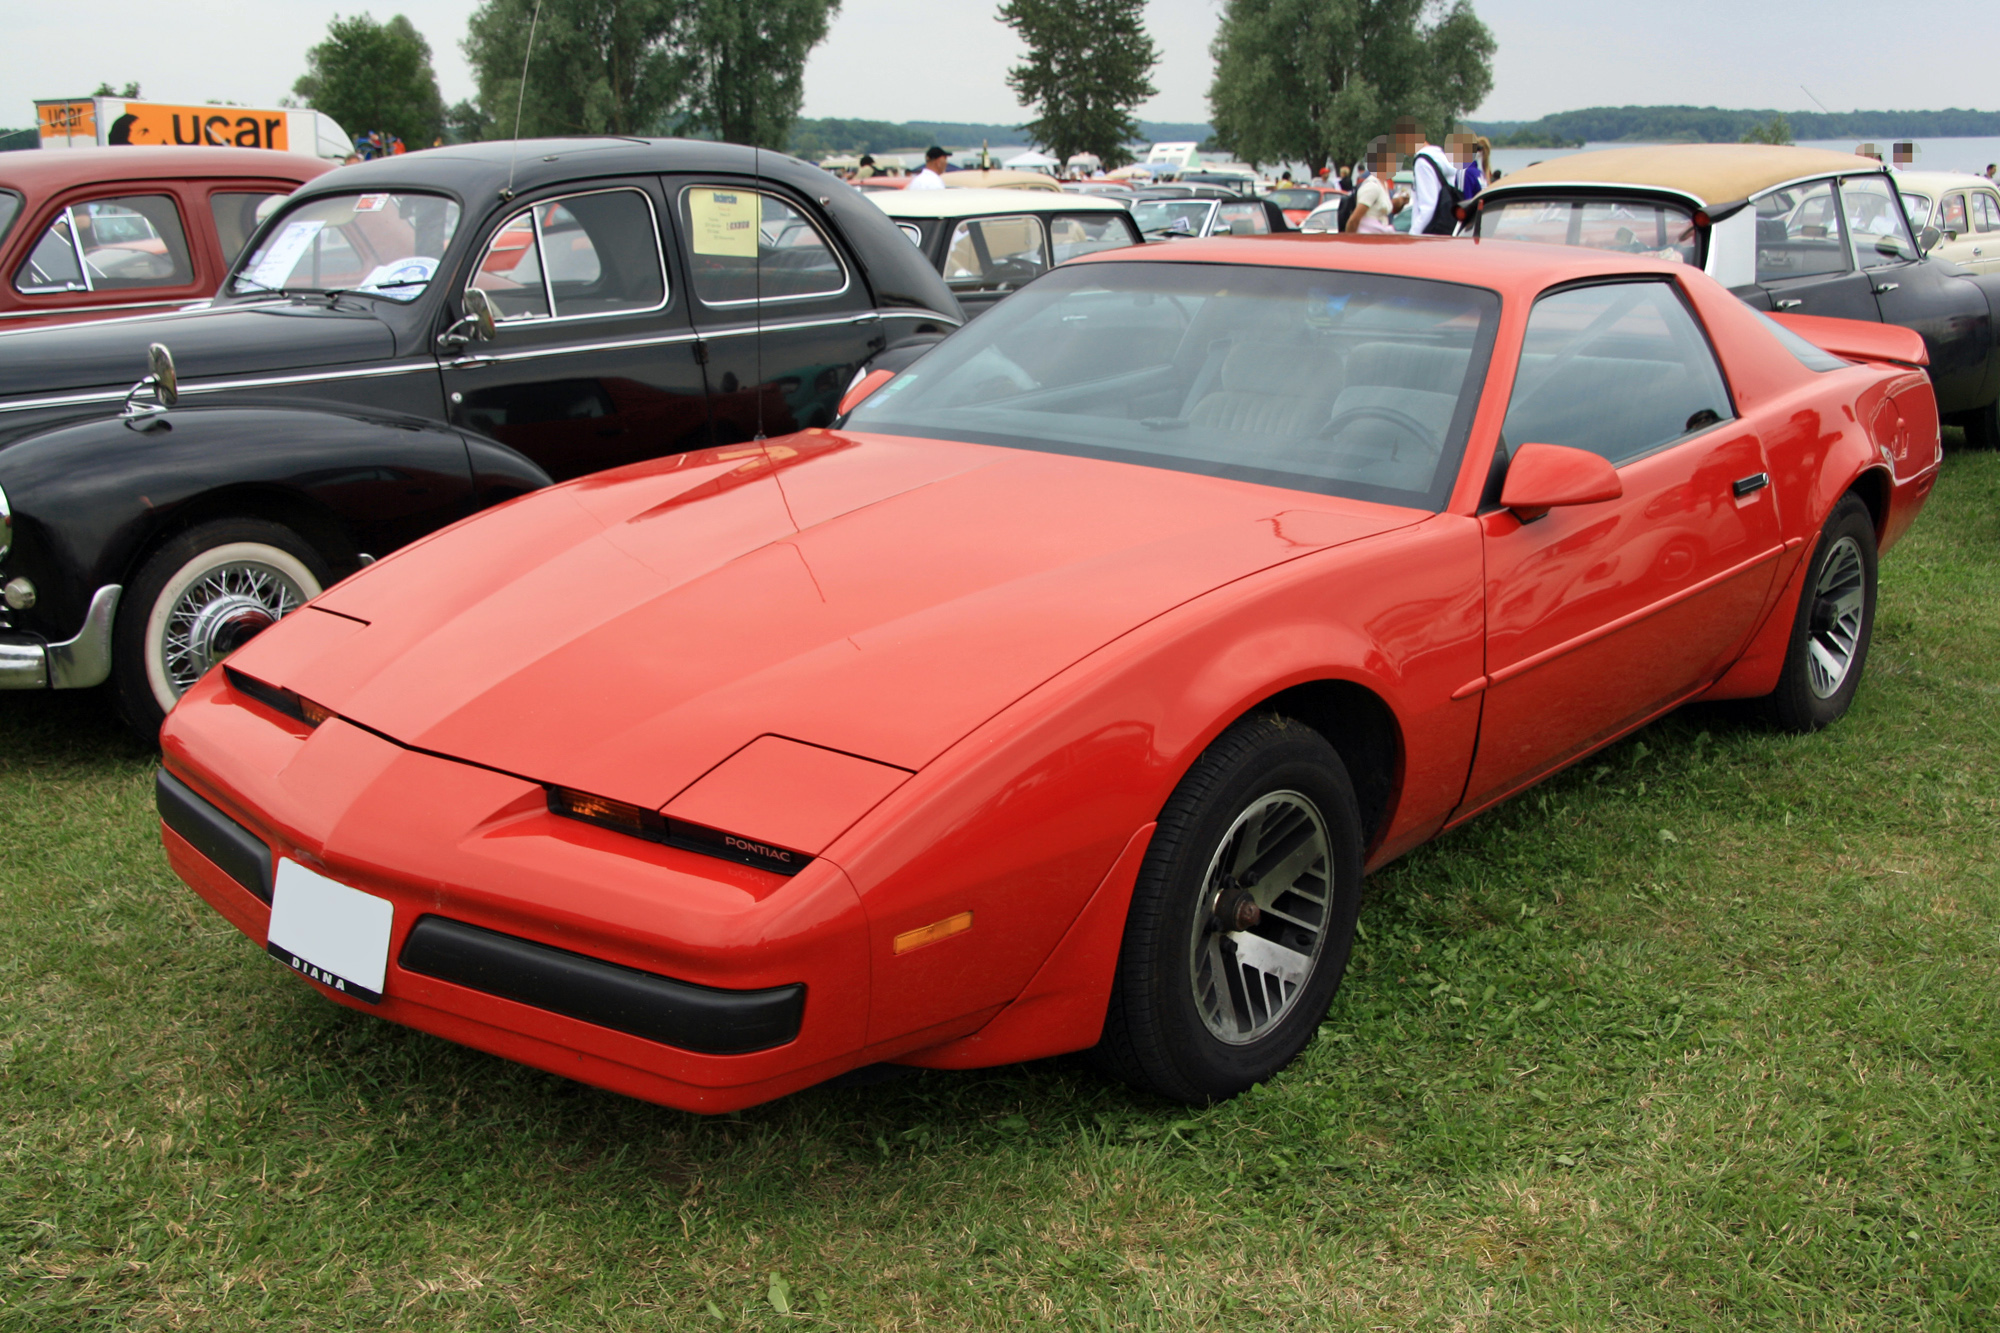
<point x="1787" y="305"/>
<point x="1887" y="287"/>
<point x="471" y="362"/>
<point x="1756" y="481"/>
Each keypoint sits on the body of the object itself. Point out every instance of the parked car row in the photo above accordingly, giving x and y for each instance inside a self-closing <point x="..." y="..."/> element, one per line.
<point x="823" y="690"/>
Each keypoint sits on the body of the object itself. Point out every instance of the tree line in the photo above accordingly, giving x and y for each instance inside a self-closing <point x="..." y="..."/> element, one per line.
<point x="1707" y="124"/>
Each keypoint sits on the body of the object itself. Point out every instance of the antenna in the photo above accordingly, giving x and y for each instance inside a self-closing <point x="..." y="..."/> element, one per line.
<point x="520" y="98"/>
<point x="757" y="178"/>
<point x="1809" y="93"/>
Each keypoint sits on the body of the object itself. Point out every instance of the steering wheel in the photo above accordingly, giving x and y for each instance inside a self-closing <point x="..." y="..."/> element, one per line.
<point x="1403" y="421"/>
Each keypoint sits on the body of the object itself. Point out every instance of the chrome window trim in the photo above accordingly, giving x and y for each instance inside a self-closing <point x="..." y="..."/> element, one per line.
<point x="541" y="260"/>
<point x="85" y="309"/>
<point x="846" y="277"/>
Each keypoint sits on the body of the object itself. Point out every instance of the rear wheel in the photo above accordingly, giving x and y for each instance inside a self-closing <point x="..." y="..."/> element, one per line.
<point x="1242" y="917"/>
<point x="199" y="598"/>
<point x="1833" y="625"/>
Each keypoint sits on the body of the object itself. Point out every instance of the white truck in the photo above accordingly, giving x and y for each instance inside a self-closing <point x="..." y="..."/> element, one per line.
<point x="88" y="122"/>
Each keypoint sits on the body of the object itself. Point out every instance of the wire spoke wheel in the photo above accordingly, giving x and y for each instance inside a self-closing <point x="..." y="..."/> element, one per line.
<point x="219" y="613"/>
<point x="1840" y="600"/>
<point x="1265" y="901"/>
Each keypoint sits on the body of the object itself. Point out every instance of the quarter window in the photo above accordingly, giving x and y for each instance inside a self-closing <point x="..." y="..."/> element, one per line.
<point x="10" y="207"/>
<point x="116" y="244"/>
<point x="745" y="245"/>
<point x="1619" y="369"/>
<point x="580" y="256"/>
<point x="1798" y="234"/>
<point x="1986" y="212"/>
<point x="995" y="254"/>
<point x="1880" y="237"/>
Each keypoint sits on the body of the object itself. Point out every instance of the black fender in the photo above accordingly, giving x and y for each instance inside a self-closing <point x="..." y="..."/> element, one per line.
<point x="92" y="500"/>
<point x="1989" y="284"/>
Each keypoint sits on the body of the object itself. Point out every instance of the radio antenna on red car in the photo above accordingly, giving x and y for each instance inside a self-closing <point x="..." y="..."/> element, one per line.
<point x="757" y="179"/>
<point x="520" y="98"/>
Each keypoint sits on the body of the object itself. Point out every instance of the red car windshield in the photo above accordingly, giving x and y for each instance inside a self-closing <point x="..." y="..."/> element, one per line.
<point x="1350" y="384"/>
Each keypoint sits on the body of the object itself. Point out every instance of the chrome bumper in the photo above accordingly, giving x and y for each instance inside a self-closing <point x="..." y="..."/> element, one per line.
<point x="27" y="663"/>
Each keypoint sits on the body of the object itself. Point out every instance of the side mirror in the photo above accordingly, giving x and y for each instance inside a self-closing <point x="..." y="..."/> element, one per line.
<point x="1541" y="477"/>
<point x="160" y="369"/>
<point x="479" y="309"/>
<point x="1927" y="239"/>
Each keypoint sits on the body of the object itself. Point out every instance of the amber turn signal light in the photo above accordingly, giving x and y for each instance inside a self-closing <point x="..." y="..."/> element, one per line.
<point x="931" y="934"/>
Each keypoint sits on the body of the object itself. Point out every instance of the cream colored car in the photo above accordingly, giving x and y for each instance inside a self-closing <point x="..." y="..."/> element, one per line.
<point x="1965" y="210"/>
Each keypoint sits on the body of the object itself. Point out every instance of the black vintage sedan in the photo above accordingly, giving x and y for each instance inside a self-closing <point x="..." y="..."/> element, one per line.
<point x="406" y="342"/>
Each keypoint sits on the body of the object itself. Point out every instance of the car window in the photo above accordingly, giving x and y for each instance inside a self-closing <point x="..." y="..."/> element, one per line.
<point x="1664" y="231"/>
<point x="1088" y="233"/>
<point x="237" y="214"/>
<point x="382" y="244"/>
<point x="1294" y="198"/>
<point x="1798" y="234"/>
<point x="1247" y="219"/>
<point x="580" y="256"/>
<point x="1339" y="383"/>
<point x="10" y="208"/>
<point x="1919" y="209"/>
<point x="1880" y="237"/>
<point x="119" y="244"/>
<point x="1986" y="211"/>
<point x="1951" y="217"/>
<point x="911" y="230"/>
<point x="748" y="246"/>
<point x="1811" y="356"/>
<point x="1619" y="369"/>
<point x="990" y="254"/>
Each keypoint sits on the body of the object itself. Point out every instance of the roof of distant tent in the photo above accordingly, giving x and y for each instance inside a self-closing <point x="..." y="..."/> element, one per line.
<point x="1031" y="158"/>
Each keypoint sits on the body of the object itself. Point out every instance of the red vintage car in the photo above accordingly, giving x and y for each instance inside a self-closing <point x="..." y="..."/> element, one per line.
<point x="1298" y="201"/>
<point x="1059" y="695"/>
<point x="92" y="233"/>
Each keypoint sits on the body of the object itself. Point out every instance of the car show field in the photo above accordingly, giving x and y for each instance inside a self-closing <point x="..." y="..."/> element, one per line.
<point x="1698" y="1035"/>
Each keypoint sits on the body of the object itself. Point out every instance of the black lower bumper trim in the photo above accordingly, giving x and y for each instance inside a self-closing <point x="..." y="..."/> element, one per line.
<point x="240" y="853"/>
<point x="674" y="1013"/>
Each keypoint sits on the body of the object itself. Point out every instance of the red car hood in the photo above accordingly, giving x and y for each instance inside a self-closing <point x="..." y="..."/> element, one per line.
<point x="624" y="633"/>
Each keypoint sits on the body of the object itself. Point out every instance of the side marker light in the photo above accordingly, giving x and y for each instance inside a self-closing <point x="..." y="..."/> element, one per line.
<point x="931" y="934"/>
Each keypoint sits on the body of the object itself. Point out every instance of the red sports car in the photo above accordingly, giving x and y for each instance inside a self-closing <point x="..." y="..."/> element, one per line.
<point x="1059" y="696"/>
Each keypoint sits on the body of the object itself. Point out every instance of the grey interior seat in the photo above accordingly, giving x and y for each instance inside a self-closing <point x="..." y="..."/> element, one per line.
<point x="1266" y="388"/>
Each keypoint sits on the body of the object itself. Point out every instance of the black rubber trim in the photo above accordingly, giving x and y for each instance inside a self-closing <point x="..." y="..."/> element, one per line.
<point x="674" y="1013"/>
<point x="241" y="854"/>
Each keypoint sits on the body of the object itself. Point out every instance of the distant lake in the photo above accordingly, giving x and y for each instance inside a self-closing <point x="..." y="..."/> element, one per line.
<point x="1932" y="154"/>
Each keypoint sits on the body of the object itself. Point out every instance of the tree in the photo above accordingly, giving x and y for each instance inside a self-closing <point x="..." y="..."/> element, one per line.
<point x="744" y="66"/>
<point x="597" y="67"/>
<point x="1087" y="68"/>
<point x="375" y="76"/>
<point x="130" y="91"/>
<point x="1776" y="130"/>
<point x="1315" y="80"/>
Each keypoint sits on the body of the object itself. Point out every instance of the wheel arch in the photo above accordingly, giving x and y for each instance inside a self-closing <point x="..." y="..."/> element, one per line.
<point x="315" y="524"/>
<point x="1872" y="485"/>
<point x="1361" y="727"/>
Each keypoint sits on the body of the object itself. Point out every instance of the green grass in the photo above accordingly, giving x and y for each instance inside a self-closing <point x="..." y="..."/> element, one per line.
<point x="1701" y="1034"/>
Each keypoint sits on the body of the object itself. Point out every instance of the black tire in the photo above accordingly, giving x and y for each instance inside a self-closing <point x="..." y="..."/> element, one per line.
<point x="1982" y="427"/>
<point x="1832" y="627"/>
<point x="198" y="598"/>
<point x="1175" y="1025"/>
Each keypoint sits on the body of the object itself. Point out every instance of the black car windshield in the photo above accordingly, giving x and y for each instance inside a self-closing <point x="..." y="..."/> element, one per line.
<point x="1184" y="216"/>
<point x="1626" y="226"/>
<point x="1350" y="384"/>
<point x="384" y="243"/>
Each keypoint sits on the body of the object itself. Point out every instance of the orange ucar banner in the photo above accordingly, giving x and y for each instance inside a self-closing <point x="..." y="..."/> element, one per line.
<point x="214" y="126"/>
<point x="67" y="121"/>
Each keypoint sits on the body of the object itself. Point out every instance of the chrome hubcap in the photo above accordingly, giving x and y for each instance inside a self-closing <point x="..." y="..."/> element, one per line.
<point x="219" y="613"/>
<point x="1262" y="917"/>
<point x="1839" y="599"/>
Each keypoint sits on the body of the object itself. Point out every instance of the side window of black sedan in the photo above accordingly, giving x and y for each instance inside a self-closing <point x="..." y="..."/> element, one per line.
<point x="747" y="246"/>
<point x="576" y="257"/>
<point x="1619" y="369"/>
<point x="1875" y="218"/>
<point x="1798" y="233"/>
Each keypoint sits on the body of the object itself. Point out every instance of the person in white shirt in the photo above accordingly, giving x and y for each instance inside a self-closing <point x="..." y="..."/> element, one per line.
<point x="932" y="176"/>
<point x="1429" y="168"/>
<point x="1375" y="207"/>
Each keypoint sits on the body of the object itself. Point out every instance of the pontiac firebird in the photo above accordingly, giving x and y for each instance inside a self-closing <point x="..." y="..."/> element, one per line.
<point x="1060" y="695"/>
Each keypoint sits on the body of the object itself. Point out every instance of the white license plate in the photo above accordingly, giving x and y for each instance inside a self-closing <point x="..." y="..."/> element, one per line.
<point x="336" y="935"/>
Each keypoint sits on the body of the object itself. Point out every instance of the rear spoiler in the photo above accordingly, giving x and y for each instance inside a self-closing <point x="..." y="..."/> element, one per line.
<point x="1860" y="340"/>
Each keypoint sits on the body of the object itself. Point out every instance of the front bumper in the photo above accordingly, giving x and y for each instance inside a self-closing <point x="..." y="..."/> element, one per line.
<point x="651" y="971"/>
<point x="28" y="662"/>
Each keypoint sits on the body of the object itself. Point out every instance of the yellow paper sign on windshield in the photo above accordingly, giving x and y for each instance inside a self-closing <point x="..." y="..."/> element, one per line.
<point x="724" y="222"/>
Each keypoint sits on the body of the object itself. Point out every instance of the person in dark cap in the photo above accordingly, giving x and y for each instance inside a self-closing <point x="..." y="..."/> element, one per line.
<point x="932" y="176"/>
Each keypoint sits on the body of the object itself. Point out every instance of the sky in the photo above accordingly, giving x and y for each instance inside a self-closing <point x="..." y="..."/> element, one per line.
<point x="947" y="59"/>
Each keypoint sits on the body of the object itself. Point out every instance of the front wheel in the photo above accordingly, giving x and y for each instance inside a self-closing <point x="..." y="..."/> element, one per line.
<point x="1832" y="627"/>
<point x="1242" y="916"/>
<point x="199" y="598"/>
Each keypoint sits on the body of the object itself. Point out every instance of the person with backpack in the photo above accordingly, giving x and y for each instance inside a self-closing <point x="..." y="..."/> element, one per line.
<point x="1434" y="193"/>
